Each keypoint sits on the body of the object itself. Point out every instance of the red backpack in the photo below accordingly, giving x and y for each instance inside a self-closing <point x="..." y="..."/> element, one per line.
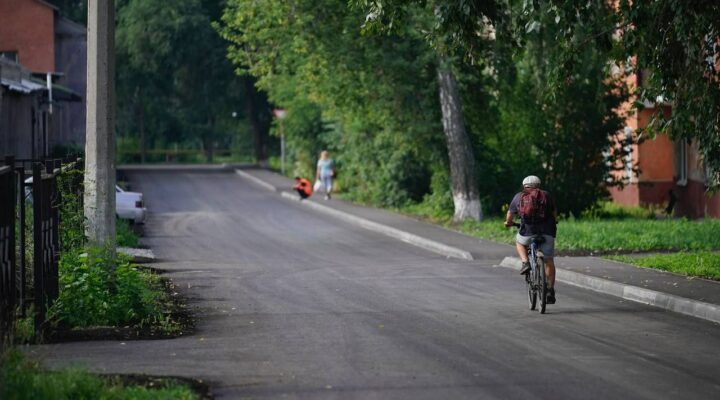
<point x="533" y="205"/>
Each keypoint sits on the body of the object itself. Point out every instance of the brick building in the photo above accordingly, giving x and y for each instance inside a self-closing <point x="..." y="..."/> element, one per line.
<point x="34" y="35"/>
<point x="668" y="171"/>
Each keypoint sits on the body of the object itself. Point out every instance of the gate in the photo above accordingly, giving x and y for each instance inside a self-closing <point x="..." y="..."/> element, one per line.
<point x="46" y="244"/>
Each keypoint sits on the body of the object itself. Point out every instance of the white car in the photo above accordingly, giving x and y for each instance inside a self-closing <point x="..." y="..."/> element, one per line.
<point x="128" y="205"/>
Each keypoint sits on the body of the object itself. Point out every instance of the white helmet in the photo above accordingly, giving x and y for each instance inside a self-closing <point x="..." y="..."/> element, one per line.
<point x="531" y="181"/>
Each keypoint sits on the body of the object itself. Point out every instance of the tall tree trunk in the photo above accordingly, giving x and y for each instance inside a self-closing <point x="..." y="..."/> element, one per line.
<point x="257" y="126"/>
<point x="462" y="161"/>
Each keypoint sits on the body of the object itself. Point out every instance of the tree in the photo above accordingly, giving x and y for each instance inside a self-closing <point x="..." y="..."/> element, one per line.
<point x="176" y="83"/>
<point x="678" y="43"/>
<point x="388" y="17"/>
<point x="675" y="41"/>
<point x="371" y="101"/>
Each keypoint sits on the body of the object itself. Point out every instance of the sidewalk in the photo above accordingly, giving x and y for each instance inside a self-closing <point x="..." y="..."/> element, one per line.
<point x="691" y="296"/>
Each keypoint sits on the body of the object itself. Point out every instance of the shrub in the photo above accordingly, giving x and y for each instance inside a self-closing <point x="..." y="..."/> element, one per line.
<point x="99" y="288"/>
<point x="126" y="237"/>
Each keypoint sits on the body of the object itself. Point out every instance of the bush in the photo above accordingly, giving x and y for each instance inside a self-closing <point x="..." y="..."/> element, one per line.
<point x="99" y="288"/>
<point x="72" y="218"/>
<point x="21" y="379"/>
<point x="126" y="237"/>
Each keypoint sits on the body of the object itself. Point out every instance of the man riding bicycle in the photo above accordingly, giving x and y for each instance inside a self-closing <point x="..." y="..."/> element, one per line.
<point x="538" y="216"/>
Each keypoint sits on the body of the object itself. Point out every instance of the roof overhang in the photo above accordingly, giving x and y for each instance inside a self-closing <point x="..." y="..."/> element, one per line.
<point x="22" y="85"/>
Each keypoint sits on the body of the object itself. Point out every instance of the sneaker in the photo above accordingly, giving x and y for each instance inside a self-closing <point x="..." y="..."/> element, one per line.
<point x="525" y="268"/>
<point x="327" y="197"/>
<point x="551" y="296"/>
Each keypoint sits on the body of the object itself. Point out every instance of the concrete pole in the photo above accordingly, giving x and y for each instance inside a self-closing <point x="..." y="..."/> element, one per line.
<point x="100" y="132"/>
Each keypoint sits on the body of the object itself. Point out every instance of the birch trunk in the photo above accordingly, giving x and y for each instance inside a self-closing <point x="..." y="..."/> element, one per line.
<point x="462" y="160"/>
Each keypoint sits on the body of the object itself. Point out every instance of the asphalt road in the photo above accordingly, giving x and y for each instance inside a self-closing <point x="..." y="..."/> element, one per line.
<point x="293" y="304"/>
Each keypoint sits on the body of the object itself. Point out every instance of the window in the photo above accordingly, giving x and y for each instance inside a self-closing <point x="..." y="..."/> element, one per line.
<point x="682" y="162"/>
<point x="9" y="55"/>
<point x="628" y="150"/>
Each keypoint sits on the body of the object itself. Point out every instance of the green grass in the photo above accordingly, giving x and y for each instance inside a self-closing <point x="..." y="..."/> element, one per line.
<point x="608" y="228"/>
<point x="700" y="264"/>
<point x="615" y="235"/>
<point x="21" y="379"/>
<point x="126" y="237"/>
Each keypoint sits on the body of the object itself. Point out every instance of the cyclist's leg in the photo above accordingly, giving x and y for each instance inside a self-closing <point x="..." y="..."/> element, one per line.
<point x="521" y="243"/>
<point x="548" y="250"/>
<point x="550" y="271"/>
<point x="522" y="252"/>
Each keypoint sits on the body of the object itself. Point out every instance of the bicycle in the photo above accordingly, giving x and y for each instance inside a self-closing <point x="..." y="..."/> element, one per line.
<point x="536" y="280"/>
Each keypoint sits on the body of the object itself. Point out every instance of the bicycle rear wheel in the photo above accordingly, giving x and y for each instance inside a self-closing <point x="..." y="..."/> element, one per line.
<point x="541" y="285"/>
<point x="532" y="293"/>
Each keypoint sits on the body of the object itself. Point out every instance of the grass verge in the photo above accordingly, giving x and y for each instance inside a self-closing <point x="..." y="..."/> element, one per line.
<point x="700" y="264"/>
<point x="614" y="236"/>
<point x="22" y="379"/>
<point x="606" y="229"/>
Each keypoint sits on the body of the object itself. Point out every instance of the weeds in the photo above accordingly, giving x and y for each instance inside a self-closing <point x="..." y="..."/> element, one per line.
<point x="21" y="379"/>
<point x="99" y="288"/>
<point x="126" y="237"/>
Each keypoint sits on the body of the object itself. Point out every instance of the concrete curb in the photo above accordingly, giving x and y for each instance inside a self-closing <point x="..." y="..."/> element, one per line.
<point x="186" y="168"/>
<point x="140" y="256"/>
<point x="693" y="308"/>
<point x="257" y="181"/>
<point x="431" y="245"/>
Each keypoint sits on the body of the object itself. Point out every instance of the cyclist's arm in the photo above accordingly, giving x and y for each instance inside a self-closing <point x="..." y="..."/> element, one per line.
<point x="509" y="219"/>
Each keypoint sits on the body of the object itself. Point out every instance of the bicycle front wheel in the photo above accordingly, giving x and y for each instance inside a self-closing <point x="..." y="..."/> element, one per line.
<point x="541" y="285"/>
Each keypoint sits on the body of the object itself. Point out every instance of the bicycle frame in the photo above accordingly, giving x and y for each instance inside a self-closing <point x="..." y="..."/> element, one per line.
<point x="536" y="278"/>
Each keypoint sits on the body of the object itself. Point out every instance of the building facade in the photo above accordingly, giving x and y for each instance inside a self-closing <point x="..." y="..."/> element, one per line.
<point x="669" y="173"/>
<point x="53" y="49"/>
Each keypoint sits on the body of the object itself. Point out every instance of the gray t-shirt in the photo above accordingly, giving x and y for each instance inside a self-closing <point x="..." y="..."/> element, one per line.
<point x="326" y="168"/>
<point x="546" y="227"/>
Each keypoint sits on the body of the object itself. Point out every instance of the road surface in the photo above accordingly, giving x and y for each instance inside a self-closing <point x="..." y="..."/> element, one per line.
<point x="294" y="304"/>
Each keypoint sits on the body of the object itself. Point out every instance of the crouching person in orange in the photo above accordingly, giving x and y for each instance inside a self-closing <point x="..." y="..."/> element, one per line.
<point x="303" y="187"/>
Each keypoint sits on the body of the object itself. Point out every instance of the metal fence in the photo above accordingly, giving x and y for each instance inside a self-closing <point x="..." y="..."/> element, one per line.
<point x="31" y="185"/>
<point x="8" y="292"/>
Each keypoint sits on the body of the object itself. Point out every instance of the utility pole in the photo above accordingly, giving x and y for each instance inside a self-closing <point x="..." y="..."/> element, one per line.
<point x="100" y="129"/>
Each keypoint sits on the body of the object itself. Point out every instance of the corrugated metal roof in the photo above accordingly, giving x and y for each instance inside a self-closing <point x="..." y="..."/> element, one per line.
<point x="23" y="85"/>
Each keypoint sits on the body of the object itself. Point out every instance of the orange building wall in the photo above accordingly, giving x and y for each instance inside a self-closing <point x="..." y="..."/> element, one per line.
<point x="655" y="159"/>
<point x="28" y="27"/>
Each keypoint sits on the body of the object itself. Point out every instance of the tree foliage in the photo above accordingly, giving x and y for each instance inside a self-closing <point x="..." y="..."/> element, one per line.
<point x="675" y="42"/>
<point x="174" y="76"/>
<point x="370" y="101"/>
<point x="528" y="117"/>
<point x="678" y="43"/>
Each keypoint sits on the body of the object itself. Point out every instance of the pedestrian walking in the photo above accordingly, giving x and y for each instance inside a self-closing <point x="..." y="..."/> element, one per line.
<point x="325" y="173"/>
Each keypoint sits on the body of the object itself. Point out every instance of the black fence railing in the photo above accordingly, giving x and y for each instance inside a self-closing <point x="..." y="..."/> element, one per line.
<point x="30" y="203"/>
<point x="8" y="292"/>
